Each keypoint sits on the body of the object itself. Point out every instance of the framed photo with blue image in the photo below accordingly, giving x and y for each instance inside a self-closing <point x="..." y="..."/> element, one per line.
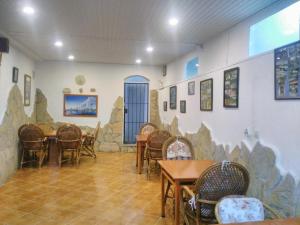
<point x="80" y="105"/>
<point x="287" y="72"/>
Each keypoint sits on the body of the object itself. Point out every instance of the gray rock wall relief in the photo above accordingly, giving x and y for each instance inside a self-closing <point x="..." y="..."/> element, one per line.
<point x="14" y="117"/>
<point x="40" y="109"/>
<point x="110" y="136"/>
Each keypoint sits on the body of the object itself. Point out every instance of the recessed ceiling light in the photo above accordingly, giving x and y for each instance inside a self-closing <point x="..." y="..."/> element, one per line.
<point x="58" y="44"/>
<point x="28" y="10"/>
<point x="138" y="61"/>
<point x="149" y="49"/>
<point x="197" y="65"/>
<point x="71" y="57"/>
<point x="173" y="21"/>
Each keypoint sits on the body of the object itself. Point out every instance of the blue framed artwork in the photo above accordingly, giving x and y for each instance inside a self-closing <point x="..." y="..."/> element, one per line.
<point x="80" y="105"/>
<point x="191" y="68"/>
<point x="287" y="71"/>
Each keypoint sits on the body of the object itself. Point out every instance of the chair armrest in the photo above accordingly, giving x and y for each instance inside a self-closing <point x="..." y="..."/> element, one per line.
<point x="207" y="201"/>
<point x="188" y="191"/>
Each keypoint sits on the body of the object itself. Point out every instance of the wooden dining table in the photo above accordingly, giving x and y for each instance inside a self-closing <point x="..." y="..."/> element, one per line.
<point x="53" y="148"/>
<point x="141" y="140"/>
<point x="178" y="173"/>
<point x="289" y="221"/>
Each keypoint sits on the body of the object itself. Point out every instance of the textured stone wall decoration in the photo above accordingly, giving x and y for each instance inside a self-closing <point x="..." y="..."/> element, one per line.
<point x="14" y="117"/>
<point x="110" y="136"/>
<point x="40" y="108"/>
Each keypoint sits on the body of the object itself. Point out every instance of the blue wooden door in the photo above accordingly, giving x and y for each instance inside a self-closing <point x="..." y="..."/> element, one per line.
<point x="135" y="109"/>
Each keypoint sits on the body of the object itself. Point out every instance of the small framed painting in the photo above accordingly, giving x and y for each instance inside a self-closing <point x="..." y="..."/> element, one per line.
<point x="165" y="106"/>
<point x="15" y="75"/>
<point x="80" y="105"/>
<point x="173" y="97"/>
<point x="183" y="106"/>
<point x="27" y="90"/>
<point x="191" y="88"/>
<point x="231" y="88"/>
<point x="287" y="72"/>
<point x="206" y="95"/>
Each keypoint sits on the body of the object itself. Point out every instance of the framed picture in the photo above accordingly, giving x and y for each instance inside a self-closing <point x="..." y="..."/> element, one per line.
<point x="287" y="72"/>
<point x="191" y="88"/>
<point x="231" y="88"/>
<point x="15" y="75"/>
<point x="27" y="90"/>
<point x="173" y="97"/>
<point x="206" y="95"/>
<point x="80" y="105"/>
<point x="183" y="106"/>
<point x="165" y="106"/>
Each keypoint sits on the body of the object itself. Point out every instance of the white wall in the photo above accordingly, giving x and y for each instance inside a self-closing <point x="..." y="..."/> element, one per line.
<point x="108" y="79"/>
<point x="26" y="66"/>
<point x="275" y="122"/>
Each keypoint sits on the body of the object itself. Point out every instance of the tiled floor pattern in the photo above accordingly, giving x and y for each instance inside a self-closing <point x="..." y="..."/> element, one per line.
<point x="103" y="191"/>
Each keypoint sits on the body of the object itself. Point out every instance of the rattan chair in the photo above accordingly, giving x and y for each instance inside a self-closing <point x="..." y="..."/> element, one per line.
<point x="88" y="143"/>
<point x="69" y="140"/>
<point x="33" y="144"/>
<point x="148" y="128"/>
<point x="154" y="146"/>
<point x="218" y="181"/>
<point x="176" y="148"/>
<point x="241" y="209"/>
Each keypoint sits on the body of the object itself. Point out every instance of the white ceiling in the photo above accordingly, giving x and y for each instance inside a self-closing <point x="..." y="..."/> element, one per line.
<point x="117" y="31"/>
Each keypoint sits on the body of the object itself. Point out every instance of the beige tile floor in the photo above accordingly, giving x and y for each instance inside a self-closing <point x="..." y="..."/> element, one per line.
<point x="103" y="191"/>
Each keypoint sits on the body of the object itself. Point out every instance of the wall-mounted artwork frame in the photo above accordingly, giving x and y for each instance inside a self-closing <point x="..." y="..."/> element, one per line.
<point x="173" y="97"/>
<point x="287" y="72"/>
<point x="27" y="90"/>
<point x="191" y="88"/>
<point x="231" y="88"/>
<point x="206" y="95"/>
<point x="15" y="75"/>
<point x="183" y="106"/>
<point x="165" y="106"/>
<point x="80" y="105"/>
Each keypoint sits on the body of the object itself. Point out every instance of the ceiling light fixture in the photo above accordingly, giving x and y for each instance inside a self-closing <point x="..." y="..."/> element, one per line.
<point x="71" y="57"/>
<point x="28" y="10"/>
<point x="138" y="61"/>
<point x="58" y="44"/>
<point x="173" y="21"/>
<point x="149" y="49"/>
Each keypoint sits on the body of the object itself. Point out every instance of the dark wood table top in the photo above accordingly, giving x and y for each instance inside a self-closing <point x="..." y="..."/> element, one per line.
<point x="290" y="221"/>
<point x="185" y="169"/>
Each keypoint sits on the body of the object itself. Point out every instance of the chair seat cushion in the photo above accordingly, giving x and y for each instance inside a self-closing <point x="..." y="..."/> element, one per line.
<point x="239" y="209"/>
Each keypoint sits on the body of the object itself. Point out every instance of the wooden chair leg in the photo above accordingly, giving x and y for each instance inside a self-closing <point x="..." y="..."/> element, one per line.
<point x="41" y="158"/>
<point x="22" y="158"/>
<point x="167" y="191"/>
<point x="148" y="168"/>
<point x="60" y="157"/>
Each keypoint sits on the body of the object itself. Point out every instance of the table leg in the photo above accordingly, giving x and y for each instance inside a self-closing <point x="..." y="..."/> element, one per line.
<point x="177" y="203"/>
<point x="139" y="159"/>
<point x="162" y="194"/>
<point x="142" y="149"/>
<point x="137" y="154"/>
<point x="53" y="152"/>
